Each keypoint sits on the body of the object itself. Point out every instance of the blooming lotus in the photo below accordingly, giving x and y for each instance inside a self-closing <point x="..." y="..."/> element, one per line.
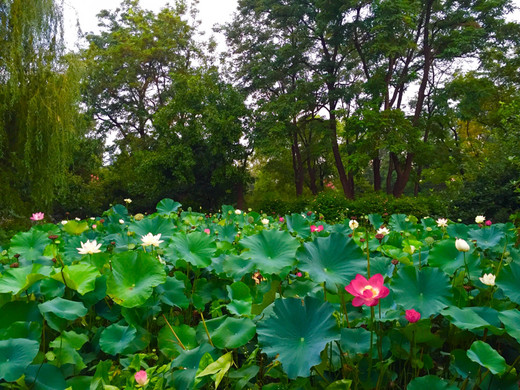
<point x="461" y="245"/>
<point x="89" y="248"/>
<point x="150" y="239"/>
<point x="281" y="220"/>
<point x="207" y="231"/>
<point x="128" y="200"/>
<point x="238" y="212"/>
<point x="442" y="222"/>
<point x="383" y="230"/>
<point x="367" y="292"/>
<point x="37" y="216"/>
<point x="141" y="378"/>
<point x="488" y="279"/>
<point x="316" y="228"/>
<point x="265" y="221"/>
<point x="480" y="219"/>
<point x="353" y="224"/>
<point x="412" y="315"/>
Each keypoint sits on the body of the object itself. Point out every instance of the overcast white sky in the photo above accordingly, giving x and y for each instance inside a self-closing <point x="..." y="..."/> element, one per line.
<point x="85" y="11"/>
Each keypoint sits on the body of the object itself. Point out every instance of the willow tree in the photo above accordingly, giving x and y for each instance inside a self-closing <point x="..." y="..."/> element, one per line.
<point x="39" y="89"/>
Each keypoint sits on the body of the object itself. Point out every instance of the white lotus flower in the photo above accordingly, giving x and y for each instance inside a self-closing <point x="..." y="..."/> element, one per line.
<point x="488" y="279"/>
<point x="480" y="219"/>
<point x="77" y="219"/>
<point x="128" y="200"/>
<point x="238" y="212"/>
<point x="121" y="221"/>
<point x="461" y="245"/>
<point x="89" y="248"/>
<point x="442" y="222"/>
<point x="383" y="230"/>
<point x="150" y="239"/>
<point x="265" y="221"/>
<point x="353" y="224"/>
<point x="64" y="222"/>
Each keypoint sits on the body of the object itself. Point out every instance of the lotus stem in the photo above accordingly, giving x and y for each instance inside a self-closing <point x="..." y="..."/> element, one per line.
<point x="206" y="329"/>
<point x="174" y="334"/>
<point x="368" y="256"/>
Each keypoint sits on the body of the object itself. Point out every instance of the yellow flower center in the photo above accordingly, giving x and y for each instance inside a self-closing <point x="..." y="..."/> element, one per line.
<point x="373" y="290"/>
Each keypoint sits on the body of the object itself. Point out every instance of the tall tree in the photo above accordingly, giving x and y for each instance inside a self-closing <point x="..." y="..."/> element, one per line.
<point x="39" y="93"/>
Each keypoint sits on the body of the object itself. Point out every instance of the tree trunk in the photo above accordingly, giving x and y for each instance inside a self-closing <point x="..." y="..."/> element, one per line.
<point x="376" y="166"/>
<point x="346" y="183"/>
<point x="389" y="176"/>
<point x="297" y="164"/>
<point x="312" y="176"/>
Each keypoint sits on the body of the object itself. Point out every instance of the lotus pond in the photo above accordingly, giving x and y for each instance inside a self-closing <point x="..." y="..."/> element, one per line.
<point x="236" y="300"/>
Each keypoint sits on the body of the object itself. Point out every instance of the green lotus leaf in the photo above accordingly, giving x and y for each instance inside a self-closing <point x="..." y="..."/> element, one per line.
<point x="69" y="339"/>
<point x="297" y="328"/>
<point x="272" y="251"/>
<point x="15" y="357"/>
<point x="462" y="365"/>
<point x="226" y="233"/>
<point x="16" y="280"/>
<point x="334" y="260"/>
<point x="376" y="220"/>
<point x="189" y="360"/>
<point x="298" y="224"/>
<point x="29" y="245"/>
<point x="50" y="288"/>
<point x="195" y="248"/>
<point x="241" y="300"/>
<point x="237" y="267"/>
<point x="426" y="290"/>
<point x="483" y="354"/>
<point x="22" y="330"/>
<point x="355" y="340"/>
<point x="430" y="382"/>
<point x="44" y="377"/>
<point x="170" y="346"/>
<point x="487" y="238"/>
<point x="399" y="223"/>
<point x="458" y="230"/>
<point x="233" y="333"/>
<point x="473" y="318"/>
<point x="133" y="277"/>
<point x="219" y="367"/>
<point x="342" y="384"/>
<point x="156" y="225"/>
<point x="511" y="319"/>
<point x="16" y="311"/>
<point x="116" y="338"/>
<point x="172" y="293"/>
<point x="79" y="277"/>
<point x="75" y="227"/>
<point x="63" y="308"/>
<point x="445" y="256"/>
<point x="508" y="279"/>
<point x="167" y="206"/>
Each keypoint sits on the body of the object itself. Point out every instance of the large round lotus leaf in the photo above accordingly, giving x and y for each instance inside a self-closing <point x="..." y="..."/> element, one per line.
<point x="29" y="245"/>
<point x="226" y="233"/>
<point x="241" y="300"/>
<point x="511" y="319"/>
<point x="445" y="256"/>
<point x="236" y="266"/>
<point x="272" y="251"/>
<point x="334" y="260"/>
<point x="116" y="338"/>
<point x="156" y="225"/>
<point x="483" y="354"/>
<point x="15" y="357"/>
<point x="75" y="227"/>
<point x="458" y="230"/>
<point x="16" y="280"/>
<point x="79" y="277"/>
<point x="355" y="340"/>
<point x="172" y="293"/>
<point x="233" y="333"/>
<point x="133" y="277"/>
<point x="298" y="224"/>
<point x="167" y="206"/>
<point x="426" y="290"/>
<point x="169" y="345"/>
<point x="488" y="237"/>
<point x="430" y="382"/>
<point x="296" y="331"/>
<point x="44" y="377"/>
<point x="473" y="318"/>
<point x="508" y="281"/>
<point x="195" y="248"/>
<point x="189" y="361"/>
<point x="63" y="308"/>
<point x="399" y="223"/>
<point x="22" y="330"/>
<point x="16" y="311"/>
<point x="376" y="220"/>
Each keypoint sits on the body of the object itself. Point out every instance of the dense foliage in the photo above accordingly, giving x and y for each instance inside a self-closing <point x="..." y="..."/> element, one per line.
<point x="181" y="300"/>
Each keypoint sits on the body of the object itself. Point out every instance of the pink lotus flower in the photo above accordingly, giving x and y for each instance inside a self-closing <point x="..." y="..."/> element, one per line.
<point x="316" y="228"/>
<point x="281" y="220"/>
<point x="412" y="315"/>
<point x="367" y="292"/>
<point x="37" y="216"/>
<point x="207" y="231"/>
<point x="141" y="378"/>
<point x="299" y="274"/>
<point x="488" y="223"/>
